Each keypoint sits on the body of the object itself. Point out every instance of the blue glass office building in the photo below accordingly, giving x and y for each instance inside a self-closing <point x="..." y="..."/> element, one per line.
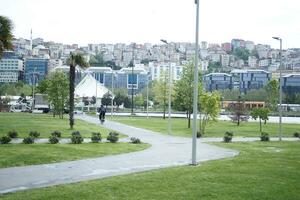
<point x="36" y="70"/>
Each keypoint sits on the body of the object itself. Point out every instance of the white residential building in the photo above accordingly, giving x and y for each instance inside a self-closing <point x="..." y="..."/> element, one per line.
<point x="225" y="59"/>
<point x="252" y="61"/>
<point x="10" y="69"/>
<point x="157" y="69"/>
<point x="263" y="63"/>
<point x="249" y="45"/>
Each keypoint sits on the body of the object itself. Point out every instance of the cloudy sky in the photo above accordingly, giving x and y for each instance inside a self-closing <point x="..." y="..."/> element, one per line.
<point x="112" y="21"/>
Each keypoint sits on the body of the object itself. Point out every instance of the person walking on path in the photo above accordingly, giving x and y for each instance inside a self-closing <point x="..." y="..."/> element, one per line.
<point x="102" y="111"/>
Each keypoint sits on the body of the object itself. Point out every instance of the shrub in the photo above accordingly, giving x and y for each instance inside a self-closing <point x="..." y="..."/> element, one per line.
<point x="199" y="135"/>
<point x="228" y="136"/>
<point x="264" y="137"/>
<point x="12" y="134"/>
<point x="53" y="140"/>
<point x="296" y="134"/>
<point x="28" y="140"/>
<point x="96" y="137"/>
<point x="76" y="139"/>
<point x="134" y="140"/>
<point x="5" y="140"/>
<point x="113" y="137"/>
<point x="56" y="134"/>
<point x="34" y="134"/>
<point x="74" y="133"/>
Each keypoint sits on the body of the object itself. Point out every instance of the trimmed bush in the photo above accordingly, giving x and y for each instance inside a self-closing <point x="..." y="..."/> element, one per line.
<point x="113" y="137"/>
<point x="96" y="137"/>
<point x="199" y="135"/>
<point x="5" y="140"/>
<point x="228" y="136"/>
<point x="264" y="137"/>
<point x="76" y="139"/>
<point x="34" y="134"/>
<point x="74" y="133"/>
<point x="296" y="134"/>
<point x="12" y="134"/>
<point x="134" y="140"/>
<point x="53" y="140"/>
<point x="56" y="134"/>
<point x="28" y="140"/>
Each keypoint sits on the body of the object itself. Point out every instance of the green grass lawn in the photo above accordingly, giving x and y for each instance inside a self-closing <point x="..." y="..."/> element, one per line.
<point x="215" y="129"/>
<point x="262" y="171"/>
<point x="23" y="123"/>
<point x="31" y="154"/>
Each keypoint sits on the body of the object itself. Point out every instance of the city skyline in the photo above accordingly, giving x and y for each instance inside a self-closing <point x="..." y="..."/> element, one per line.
<point x="143" y="21"/>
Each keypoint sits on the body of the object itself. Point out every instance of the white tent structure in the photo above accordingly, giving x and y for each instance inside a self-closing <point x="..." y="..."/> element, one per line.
<point x="89" y="87"/>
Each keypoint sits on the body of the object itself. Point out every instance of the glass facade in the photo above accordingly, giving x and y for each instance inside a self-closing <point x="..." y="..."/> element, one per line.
<point x="35" y="70"/>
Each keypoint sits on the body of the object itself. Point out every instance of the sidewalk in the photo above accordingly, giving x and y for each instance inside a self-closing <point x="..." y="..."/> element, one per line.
<point x="166" y="151"/>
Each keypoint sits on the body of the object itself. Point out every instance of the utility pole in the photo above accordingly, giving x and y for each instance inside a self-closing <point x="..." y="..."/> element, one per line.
<point x="195" y="101"/>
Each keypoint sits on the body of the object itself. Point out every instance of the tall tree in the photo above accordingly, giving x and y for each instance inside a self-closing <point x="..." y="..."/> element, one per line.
<point x="161" y="92"/>
<point x="238" y="111"/>
<point x="262" y="114"/>
<point x="272" y="91"/>
<point x="183" y="89"/>
<point x="6" y="35"/>
<point x="57" y="90"/>
<point x="210" y="109"/>
<point x="74" y="60"/>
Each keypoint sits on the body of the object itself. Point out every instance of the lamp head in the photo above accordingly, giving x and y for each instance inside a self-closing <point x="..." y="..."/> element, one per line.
<point x="276" y="38"/>
<point x="164" y="41"/>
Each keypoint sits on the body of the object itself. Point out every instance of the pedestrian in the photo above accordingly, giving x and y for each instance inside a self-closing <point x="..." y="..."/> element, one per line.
<point x="102" y="111"/>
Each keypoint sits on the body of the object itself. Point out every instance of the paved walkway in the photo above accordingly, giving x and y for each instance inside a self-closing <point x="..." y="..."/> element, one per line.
<point x="165" y="151"/>
<point x="272" y="119"/>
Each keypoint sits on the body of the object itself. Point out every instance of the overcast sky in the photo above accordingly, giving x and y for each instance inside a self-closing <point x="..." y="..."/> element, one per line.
<point x="112" y="21"/>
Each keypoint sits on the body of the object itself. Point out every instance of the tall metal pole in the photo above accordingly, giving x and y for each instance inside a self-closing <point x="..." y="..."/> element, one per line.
<point x="96" y="90"/>
<point x="112" y="91"/>
<point x="132" y="80"/>
<point x="280" y="88"/>
<point x="195" y="101"/>
<point x="169" y="100"/>
<point x="147" y="105"/>
<point x="170" y="91"/>
<point x="280" y="91"/>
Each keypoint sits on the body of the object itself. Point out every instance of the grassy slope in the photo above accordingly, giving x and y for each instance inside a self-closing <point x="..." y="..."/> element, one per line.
<point x="215" y="129"/>
<point x="45" y="124"/>
<point x="261" y="171"/>
<point x="24" y="154"/>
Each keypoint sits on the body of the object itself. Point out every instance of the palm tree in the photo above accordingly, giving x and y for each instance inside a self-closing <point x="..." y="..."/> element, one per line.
<point x="74" y="60"/>
<point x="6" y="35"/>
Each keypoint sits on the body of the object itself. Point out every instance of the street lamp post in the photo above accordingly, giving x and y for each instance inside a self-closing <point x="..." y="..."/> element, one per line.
<point x="112" y="91"/>
<point x="195" y="97"/>
<point x="132" y="80"/>
<point x="147" y="104"/>
<point x="169" y="95"/>
<point x="280" y="88"/>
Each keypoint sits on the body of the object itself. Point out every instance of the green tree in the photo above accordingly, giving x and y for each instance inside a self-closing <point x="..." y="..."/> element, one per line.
<point x="42" y="87"/>
<point x="106" y="99"/>
<point x="183" y="89"/>
<point x="238" y="111"/>
<point x="256" y="95"/>
<point x="262" y="114"/>
<point x="97" y="60"/>
<point x="210" y="109"/>
<point x="120" y="96"/>
<point x="58" y="93"/>
<point x="230" y="95"/>
<point x="161" y="91"/>
<point x="73" y="61"/>
<point x="272" y="92"/>
<point x="6" y="35"/>
<point x="241" y="53"/>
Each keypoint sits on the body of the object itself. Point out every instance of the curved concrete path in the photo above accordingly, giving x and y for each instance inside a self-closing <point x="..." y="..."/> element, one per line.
<point x="166" y="151"/>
